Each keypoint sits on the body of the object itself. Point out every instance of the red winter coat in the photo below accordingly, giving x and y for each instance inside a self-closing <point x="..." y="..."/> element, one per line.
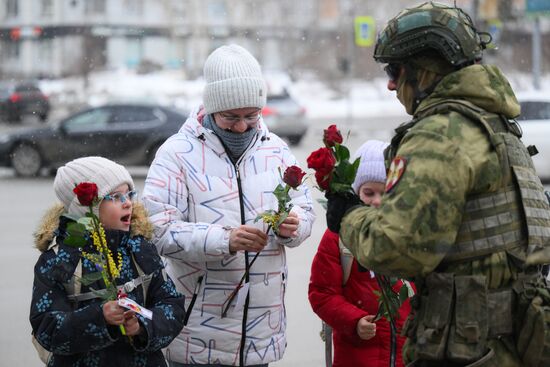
<point x="341" y="307"/>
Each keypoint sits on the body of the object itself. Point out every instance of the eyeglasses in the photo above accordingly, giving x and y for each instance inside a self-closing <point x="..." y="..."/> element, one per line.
<point x="232" y="119"/>
<point x="119" y="197"/>
<point x="393" y="71"/>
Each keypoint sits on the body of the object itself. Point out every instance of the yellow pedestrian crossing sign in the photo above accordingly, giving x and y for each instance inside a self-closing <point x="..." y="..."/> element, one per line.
<point x="365" y="31"/>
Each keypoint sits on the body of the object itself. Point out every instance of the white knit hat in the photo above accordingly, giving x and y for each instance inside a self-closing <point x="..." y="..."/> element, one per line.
<point x="106" y="174"/>
<point x="371" y="167"/>
<point x="233" y="80"/>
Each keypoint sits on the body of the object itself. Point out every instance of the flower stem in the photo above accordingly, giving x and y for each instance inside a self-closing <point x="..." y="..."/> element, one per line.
<point x="382" y="283"/>
<point x="245" y="275"/>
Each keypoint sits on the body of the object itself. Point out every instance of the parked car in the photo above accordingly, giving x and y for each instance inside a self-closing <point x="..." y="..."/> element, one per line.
<point x="17" y="100"/>
<point x="127" y="133"/>
<point x="535" y="124"/>
<point x="285" y="117"/>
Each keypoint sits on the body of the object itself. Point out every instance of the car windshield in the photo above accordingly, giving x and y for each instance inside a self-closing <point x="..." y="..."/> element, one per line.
<point x="27" y="88"/>
<point x="88" y="120"/>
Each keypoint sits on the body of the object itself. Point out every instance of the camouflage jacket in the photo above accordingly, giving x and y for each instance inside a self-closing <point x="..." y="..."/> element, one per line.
<point x="446" y="158"/>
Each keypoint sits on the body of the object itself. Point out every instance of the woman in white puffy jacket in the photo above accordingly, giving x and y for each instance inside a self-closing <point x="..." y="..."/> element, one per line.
<point x="204" y="190"/>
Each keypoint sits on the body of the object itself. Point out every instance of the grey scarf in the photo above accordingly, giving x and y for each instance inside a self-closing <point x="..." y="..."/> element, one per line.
<point x="235" y="143"/>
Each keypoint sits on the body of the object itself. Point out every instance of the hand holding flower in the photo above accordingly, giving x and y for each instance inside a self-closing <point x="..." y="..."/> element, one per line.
<point x="247" y="238"/>
<point x="281" y="221"/>
<point x="289" y="227"/>
<point x="113" y="313"/>
<point x="366" y="328"/>
<point x="131" y="323"/>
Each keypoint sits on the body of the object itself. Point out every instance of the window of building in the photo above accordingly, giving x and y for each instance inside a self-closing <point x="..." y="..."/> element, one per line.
<point x="12" y="8"/>
<point x="45" y="50"/>
<point x="46" y="8"/>
<point x="94" y="7"/>
<point x="134" y="7"/>
<point x="217" y="10"/>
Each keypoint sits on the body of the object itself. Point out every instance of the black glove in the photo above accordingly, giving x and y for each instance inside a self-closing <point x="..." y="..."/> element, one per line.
<point x="337" y="206"/>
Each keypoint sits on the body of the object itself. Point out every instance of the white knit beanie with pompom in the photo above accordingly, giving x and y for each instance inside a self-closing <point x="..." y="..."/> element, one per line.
<point x="106" y="174"/>
<point x="371" y="167"/>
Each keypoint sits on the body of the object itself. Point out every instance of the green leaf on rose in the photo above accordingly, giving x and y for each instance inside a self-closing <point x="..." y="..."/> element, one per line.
<point x="403" y="294"/>
<point x="76" y="233"/>
<point x="341" y="152"/>
<point x="282" y="218"/>
<point x="340" y="187"/>
<point x="90" y="278"/>
<point x="107" y="294"/>
<point x="74" y="241"/>
<point x="87" y="222"/>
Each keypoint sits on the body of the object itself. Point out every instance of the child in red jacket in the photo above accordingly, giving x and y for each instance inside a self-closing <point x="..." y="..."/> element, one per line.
<point x="341" y="291"/>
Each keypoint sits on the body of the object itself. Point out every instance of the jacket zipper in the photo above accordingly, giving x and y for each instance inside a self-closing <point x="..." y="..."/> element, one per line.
<point x="247" y="278"/>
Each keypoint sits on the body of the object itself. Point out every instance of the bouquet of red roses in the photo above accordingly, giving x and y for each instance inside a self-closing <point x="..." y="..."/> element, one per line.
<point x="335" y="175"/>
<point x="334" y="172"/>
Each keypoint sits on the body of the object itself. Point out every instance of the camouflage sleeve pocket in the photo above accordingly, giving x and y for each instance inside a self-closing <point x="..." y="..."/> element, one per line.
<point x="468" y="334"/>
<point x="434" y="318"/>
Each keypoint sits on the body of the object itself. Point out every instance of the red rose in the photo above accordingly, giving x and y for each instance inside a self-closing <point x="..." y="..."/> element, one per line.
<point x="323" y="178"/>
<point x="322" y="158"/>
<point x="293" y="176"/>
<point x="331" y="136"/>
<point x="86" y="192"/>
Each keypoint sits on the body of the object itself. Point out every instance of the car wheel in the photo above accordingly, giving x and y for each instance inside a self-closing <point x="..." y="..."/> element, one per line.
<point x="14" y="118"/>
<point x="26" y="160"/>
<point x="294" y="139"/>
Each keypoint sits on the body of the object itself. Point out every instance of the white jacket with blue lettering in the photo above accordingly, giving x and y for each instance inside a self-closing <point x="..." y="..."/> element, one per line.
<point x="195" y="195"/>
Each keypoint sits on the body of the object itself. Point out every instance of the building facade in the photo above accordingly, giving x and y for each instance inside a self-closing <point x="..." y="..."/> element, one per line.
<point x="54" y="38"/>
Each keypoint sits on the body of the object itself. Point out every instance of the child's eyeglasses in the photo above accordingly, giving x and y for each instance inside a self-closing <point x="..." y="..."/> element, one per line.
<point x="119" y="197"/>
<point x="393" y="71"/>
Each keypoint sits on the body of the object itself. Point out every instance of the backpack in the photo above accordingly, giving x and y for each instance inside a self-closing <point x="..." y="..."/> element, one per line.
<point x="73" y="293"/>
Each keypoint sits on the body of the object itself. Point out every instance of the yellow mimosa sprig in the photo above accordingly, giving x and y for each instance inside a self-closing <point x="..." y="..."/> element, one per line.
<point x="107" y="268"/>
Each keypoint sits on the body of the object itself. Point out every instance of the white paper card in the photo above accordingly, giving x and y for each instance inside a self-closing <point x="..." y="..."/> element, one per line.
<point x="134" y="306"/>
<point x="241" y="296"/>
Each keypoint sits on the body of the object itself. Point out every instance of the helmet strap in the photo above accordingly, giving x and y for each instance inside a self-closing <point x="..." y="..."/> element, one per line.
<point x="411" y="78"/>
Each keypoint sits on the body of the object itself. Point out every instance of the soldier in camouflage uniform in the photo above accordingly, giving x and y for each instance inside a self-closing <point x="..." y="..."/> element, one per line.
<point x="464" y="212"/>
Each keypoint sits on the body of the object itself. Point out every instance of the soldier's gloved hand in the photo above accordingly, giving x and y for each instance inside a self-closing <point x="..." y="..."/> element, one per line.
<point x="337" y="206"/>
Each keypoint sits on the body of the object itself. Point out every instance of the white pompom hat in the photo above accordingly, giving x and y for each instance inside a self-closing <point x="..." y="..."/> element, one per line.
<point x="106" y="174"/>
<point x="371" y="167"/>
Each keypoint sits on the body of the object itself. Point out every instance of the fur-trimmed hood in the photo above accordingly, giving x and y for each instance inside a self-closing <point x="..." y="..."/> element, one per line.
<point x="140" y="225"/>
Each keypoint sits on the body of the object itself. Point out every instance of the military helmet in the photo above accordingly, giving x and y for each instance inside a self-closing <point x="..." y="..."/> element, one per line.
<point x="430" y="26"/>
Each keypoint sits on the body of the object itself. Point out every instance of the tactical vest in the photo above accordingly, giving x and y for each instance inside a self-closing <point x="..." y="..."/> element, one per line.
<point x="456" y="315"/>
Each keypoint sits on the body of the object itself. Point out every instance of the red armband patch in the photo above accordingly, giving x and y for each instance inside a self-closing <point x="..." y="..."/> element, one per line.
<point x="397" y="168"/>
